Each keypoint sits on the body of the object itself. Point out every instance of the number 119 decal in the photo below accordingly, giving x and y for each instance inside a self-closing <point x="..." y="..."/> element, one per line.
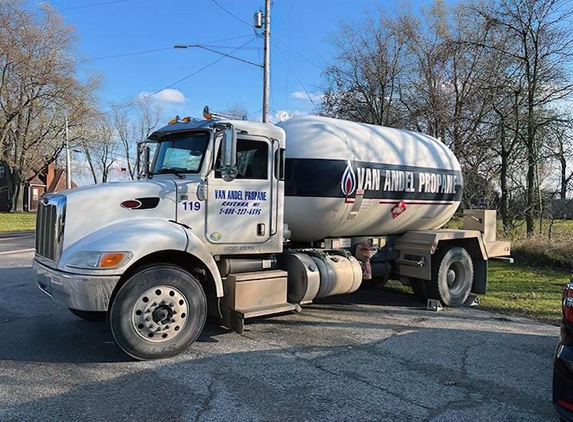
<point x="191" y="205"/>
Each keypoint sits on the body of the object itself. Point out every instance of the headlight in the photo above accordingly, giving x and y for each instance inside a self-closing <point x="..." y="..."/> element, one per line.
<point x="103" y="260"/>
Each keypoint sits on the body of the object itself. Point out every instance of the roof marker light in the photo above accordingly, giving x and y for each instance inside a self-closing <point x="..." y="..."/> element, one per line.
<point x="207" y="113"/>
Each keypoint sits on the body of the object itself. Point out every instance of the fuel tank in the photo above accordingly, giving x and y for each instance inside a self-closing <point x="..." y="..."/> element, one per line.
<point x="347" y="179"/>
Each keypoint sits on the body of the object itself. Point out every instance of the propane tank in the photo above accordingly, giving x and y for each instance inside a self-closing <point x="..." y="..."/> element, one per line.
<point x="348" y="179"/>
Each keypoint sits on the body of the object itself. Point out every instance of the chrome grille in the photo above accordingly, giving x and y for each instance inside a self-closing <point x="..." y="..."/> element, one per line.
<point x="50" y="226"/>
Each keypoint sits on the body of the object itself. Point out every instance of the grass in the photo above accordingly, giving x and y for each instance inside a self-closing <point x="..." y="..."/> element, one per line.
<point x="17" y="221"/>
<point x="539" y="250"/>
<point x="518" y="290"/>
<point x="543" y="251"/>
<point x="560" y="229"/>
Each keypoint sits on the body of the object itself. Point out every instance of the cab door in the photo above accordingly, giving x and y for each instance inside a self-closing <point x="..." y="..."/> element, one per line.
<point x="239" y="211"/>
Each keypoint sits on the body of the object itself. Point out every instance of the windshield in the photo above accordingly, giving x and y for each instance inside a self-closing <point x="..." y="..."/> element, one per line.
<point x="181" y="153"/>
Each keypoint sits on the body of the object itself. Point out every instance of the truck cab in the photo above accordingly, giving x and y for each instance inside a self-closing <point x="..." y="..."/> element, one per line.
<point x="213" y="188"/>
<point x="225" y="174"/>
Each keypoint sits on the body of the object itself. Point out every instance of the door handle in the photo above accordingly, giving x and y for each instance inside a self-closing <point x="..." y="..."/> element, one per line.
<point x="261" y="230"/>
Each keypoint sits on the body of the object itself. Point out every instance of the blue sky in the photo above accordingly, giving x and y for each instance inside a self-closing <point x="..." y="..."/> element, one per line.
<point x="111" y="33"/>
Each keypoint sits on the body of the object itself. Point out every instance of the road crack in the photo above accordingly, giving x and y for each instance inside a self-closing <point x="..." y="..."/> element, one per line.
<point x="206" y="403"/>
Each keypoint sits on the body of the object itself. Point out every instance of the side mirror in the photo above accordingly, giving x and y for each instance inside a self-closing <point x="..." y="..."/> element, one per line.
<point x="145" y="152"/>
<point x="229" y="154"/>
<point x="143" y="157"/>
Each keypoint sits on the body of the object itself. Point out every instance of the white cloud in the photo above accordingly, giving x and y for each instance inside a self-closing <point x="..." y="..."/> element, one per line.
<point x="166" y="96"/>
<point x="302" y="95"/>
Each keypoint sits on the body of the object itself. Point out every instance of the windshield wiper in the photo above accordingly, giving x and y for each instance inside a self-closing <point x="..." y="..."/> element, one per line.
<point x="171" y="171"/>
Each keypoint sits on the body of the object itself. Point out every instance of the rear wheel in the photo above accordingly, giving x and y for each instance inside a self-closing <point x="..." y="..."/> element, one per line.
<point x="158" y="312"/>
<point x="453" y="276"/>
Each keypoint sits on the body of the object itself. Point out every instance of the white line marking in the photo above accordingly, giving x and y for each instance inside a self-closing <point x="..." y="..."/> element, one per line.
<point x="18" y="251"/>
<point x="14" y="238"/>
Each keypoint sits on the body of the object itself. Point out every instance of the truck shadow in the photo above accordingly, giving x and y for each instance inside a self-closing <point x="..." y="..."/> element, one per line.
<point x="67" y="339"/>
<point x="34" y="329"/>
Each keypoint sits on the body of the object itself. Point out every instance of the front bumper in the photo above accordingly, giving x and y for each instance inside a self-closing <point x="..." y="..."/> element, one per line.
<point x="563" y="381"/>
<point x="81" y="292"/>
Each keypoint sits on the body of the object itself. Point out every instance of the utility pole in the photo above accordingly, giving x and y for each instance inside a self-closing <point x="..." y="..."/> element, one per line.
<point x="68" y="159"/>
<point x="267" y="61"/>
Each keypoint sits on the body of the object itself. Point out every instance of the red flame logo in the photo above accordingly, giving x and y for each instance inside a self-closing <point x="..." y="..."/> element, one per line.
<point x="348" y="182"/>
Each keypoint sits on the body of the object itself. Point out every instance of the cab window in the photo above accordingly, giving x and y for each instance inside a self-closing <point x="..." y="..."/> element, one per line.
<point x="181" y="153"/>
<point x="252" y="160"/>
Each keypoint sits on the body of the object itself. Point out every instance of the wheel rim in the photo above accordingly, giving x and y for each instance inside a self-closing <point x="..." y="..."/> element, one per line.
<point x="160" y="313"/>
<point x="455" y="276"/>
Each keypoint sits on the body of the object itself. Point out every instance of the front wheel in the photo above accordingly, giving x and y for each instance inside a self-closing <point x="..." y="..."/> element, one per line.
<point x="158" y="312"/>
<point x="453" y="276"/>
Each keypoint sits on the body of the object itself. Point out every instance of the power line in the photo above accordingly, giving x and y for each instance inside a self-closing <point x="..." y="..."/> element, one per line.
<point x="193" y="73"/>
<point x="228" y="47"/>
<point x="157" y="50"/>
<point x="218" y="52"/>
<point x="316" y="53"/>
<point x="87" y="6"/>
<point x="275" y="38"/>
<point x="232" y="14"/>
<point x="137" y="53"/>
<point x="296" y="77"/>
<point x="226" y="39"/>
<point x="143" y="97"/>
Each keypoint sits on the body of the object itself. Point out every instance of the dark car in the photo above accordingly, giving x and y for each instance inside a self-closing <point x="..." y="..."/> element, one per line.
<point x="563" y="365"/>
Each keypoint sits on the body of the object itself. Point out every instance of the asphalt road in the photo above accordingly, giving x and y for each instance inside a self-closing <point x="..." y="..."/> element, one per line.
<point x="369" y="356"/>
<point x="16" y="242"/>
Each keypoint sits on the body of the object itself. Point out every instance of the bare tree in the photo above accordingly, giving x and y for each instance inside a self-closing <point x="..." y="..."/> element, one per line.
<point x="562" y="149"/>
<point x="38" y="88"/>
<point x="447" y="66"/>
<point x="236" y="111"/>
<point x="487" y="78"/>
<point x="133" y="122"/>
<point x="539" y="48"/>
<point x="100" y="147"/>
<point x="364" y="80"/>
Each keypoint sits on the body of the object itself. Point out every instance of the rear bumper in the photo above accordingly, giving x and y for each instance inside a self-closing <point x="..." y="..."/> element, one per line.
<point x="563" y="381"/>
<point x="81" y="292"/>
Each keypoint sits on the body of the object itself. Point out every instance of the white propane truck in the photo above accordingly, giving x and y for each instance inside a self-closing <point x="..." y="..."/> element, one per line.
<point x="241" y="219"/>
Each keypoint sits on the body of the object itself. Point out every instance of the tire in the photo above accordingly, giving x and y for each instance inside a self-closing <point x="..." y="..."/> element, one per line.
<point x="158" y="312"/>
<point x="453" y="276"/>
<point x="91" y="316"/>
